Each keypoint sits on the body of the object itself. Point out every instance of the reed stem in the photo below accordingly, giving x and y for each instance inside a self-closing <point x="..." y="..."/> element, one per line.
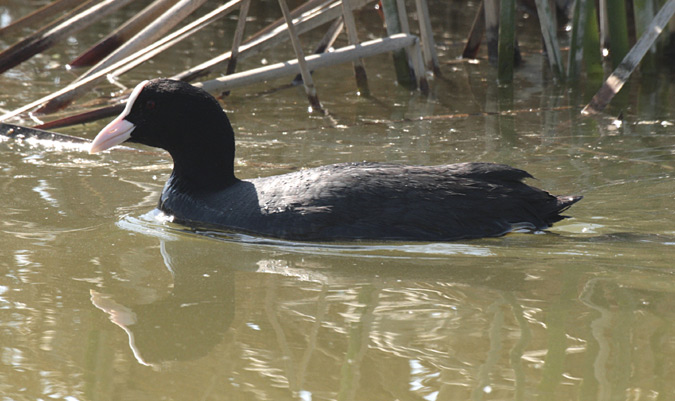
<point x="618" y="30"/>
<point x="393" y="22"/>
<point x="507" y="39"/>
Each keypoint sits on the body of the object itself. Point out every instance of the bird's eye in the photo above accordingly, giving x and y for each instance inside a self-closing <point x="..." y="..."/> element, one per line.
<point x="150" y="105"/>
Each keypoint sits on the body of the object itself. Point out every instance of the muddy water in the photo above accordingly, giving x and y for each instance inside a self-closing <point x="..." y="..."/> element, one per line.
<point x="101" y="300"/>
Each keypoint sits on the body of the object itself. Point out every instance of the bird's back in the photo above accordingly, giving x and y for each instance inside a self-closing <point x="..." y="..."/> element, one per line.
<point x="375" y="201"/>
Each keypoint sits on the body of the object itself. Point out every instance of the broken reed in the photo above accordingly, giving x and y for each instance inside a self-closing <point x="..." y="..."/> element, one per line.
<point x="590" y="41"/>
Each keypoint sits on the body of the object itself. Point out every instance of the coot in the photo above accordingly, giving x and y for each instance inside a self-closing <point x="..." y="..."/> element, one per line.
<point x="347" y="201"/>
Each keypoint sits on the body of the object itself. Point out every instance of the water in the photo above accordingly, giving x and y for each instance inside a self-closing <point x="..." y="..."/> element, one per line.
<point x="101" y="299"/>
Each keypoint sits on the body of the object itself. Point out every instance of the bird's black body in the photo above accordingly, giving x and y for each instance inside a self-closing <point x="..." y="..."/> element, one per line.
<point x="340" y="201"/>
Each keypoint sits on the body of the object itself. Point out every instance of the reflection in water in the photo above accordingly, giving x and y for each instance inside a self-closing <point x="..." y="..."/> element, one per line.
<point x="547" y="316"/>
<point x="616" y="311"/>
<point x="421" y="324"/>
<point x="311" y="316"/>
<point x="156" y="223"/>
<point x="351" y="324"/>
<point x="187" y="323"/>
<point x="585" y="314"/>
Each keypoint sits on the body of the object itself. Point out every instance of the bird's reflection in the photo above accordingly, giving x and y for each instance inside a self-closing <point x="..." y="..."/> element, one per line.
<point x="195" y="316"/>
<point x="189" y="322"/>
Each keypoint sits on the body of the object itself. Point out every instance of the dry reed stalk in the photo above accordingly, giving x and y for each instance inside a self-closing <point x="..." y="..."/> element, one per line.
<point x="476" y="34"/>
<point x="149" y="34"/>
<point x="549" y="32"/>
<point x="359" y="68"/>
<point x="238" y="36"/>
<point x="307" y="80"/>
<point x="38" y="16"/>
<point x="272" y="37"/>
<point x="427" y="37"/>
<point x="393" y="21"/>
<point x="315" y="61"/>
<point x="64" y="96"/>
<point x="44" y="39"/>
<point x="615" y="82"/>
<point x="120" y="35"/>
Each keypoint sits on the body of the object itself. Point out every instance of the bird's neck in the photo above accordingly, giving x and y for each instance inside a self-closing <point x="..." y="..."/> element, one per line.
<point x="202" y="177"/>
<point x="208" y="168"/>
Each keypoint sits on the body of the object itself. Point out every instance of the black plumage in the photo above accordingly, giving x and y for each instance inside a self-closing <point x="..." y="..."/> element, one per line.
<point x="339" y="201"/>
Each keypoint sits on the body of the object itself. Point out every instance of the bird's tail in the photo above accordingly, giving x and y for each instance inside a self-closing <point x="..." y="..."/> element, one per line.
<point x="562" y="203"/>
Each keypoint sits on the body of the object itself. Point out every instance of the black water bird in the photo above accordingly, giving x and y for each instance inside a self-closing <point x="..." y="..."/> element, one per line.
<point x="347" y="201"/>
